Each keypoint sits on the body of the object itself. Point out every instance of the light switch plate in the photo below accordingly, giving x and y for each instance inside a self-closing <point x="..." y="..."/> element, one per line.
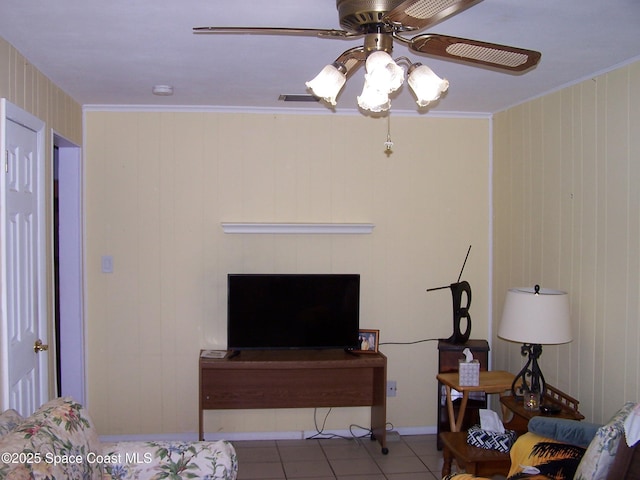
<point x="107" y="264"/>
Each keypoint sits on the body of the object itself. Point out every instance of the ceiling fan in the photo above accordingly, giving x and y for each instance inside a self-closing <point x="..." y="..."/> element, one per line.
<point x="381" y="22"/>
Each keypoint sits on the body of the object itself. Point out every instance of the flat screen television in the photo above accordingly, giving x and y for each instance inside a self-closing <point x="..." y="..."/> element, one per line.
<point x="292" y="311"/>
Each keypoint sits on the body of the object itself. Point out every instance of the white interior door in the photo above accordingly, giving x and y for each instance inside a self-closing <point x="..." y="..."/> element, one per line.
<point x="22" y="258"/>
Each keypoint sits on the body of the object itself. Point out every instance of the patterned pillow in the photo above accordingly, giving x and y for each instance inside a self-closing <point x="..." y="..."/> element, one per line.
<point x="9" y="419"/>
<point x="536" y="457"/>
<point x="632" y="426"/>
<point x="602" y="451"/>
<point x="59" y="430"/>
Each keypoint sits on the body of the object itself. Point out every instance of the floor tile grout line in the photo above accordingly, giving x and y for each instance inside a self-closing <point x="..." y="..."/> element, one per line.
<point x="408" y="449"/>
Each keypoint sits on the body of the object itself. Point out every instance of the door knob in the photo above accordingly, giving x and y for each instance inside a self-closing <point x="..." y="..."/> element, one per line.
<point x="39" y="346"/>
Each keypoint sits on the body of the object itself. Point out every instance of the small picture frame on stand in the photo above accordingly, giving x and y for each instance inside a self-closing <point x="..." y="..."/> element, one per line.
<point x="368" y="341"/>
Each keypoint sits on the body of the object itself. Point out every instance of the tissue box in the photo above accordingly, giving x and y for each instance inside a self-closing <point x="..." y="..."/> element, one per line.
<point x="501" y="442"/>
<point x="469" y="373"/>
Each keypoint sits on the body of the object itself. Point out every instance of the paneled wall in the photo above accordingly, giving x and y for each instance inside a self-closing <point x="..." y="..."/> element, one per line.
<point x="158" y="185"/>
<point x="567" y="216"/>
<point x="26" y="87"/>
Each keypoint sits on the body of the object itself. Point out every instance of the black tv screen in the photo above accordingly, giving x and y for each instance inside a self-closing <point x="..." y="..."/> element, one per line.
<point x="292" y="311"/>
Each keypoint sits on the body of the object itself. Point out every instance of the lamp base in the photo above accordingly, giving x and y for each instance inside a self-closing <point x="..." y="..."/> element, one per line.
<point x="530" y="378"/>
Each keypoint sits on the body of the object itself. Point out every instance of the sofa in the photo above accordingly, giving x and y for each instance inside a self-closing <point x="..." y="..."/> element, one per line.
<point x="59" y="441"/>
<point x="561" y="449"/>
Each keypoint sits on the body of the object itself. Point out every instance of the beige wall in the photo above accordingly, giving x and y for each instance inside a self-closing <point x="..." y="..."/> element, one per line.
<point x="26" y="87"/>
<point x="567" y="215"/>
<point x="158" y="184"/>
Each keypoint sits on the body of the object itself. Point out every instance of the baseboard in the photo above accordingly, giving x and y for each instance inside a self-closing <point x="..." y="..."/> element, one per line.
<point x="242" y="436"/>
<point x="426" y="430"/>
<point x="150" y="437"/>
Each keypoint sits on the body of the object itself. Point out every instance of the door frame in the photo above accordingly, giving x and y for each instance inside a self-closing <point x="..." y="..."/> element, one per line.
<point x="71" y="251"/>
<point x="11" y="112"/>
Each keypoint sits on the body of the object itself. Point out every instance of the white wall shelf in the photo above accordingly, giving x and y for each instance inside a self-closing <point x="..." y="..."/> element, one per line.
<point x="298" y="228"/>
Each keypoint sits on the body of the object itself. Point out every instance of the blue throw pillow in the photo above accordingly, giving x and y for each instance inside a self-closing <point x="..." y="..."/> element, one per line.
<point x="564" y="430"/>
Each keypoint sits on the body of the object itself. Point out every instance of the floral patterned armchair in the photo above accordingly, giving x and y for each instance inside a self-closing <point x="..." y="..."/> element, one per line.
<point x="59" y="442"/>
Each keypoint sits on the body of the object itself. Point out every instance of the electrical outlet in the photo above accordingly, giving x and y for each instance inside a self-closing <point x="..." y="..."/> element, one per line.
<point x="392" y="388"/>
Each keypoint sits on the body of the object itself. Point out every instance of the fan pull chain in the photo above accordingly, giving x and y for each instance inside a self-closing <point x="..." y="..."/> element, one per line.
<point x="388" y="145"/>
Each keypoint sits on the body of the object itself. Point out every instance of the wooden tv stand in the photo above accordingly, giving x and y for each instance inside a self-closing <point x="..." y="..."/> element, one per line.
<point x="296" y="379"/>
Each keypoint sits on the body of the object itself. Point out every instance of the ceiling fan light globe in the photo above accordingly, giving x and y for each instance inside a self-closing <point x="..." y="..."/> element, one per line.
<point x="327" y="84"/>
<point x="373" y="100"/>
<point x="383" y="73"/>
<point x="426" y="85"/>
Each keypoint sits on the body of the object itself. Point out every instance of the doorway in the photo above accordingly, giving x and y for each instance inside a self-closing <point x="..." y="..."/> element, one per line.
<point x="68" y="272"/>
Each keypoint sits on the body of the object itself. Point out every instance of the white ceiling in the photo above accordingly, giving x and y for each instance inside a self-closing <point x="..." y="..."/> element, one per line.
<point x="111" y="52"/>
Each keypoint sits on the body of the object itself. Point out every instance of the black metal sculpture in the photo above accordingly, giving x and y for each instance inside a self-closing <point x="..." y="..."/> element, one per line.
<point x="459" y="312"/>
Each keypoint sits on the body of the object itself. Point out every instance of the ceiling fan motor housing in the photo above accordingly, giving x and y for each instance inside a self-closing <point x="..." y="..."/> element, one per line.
<point x="359" y="15"/>
<point x="374" y="42"/>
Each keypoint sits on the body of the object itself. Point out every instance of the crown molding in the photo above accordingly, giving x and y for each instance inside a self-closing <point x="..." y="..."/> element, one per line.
<point x="273" y="111"/>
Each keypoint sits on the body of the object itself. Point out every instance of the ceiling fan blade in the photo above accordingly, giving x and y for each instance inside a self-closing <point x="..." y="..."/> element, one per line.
<point x="309" y="32"/>
<point x="502" y="57"/>
<point x="418" y="14"/>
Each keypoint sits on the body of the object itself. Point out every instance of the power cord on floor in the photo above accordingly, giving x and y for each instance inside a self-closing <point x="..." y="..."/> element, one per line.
<point x="320" y="433"/>
<point x="410" y="343"/>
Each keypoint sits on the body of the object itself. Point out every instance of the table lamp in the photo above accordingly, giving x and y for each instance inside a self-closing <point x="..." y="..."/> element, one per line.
<point x="534" y="317"/>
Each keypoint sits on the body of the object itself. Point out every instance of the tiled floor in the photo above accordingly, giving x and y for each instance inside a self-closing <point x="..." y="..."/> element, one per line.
<point x="410" y="458"/>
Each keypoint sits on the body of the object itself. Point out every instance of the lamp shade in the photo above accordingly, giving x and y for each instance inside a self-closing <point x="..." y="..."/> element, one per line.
<point x="328" y="83"/>
<point x="373" y="99"/>
<point x="426" y="85"/>
<point x="383" y="73"/>
<point x="536" y="316"/>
